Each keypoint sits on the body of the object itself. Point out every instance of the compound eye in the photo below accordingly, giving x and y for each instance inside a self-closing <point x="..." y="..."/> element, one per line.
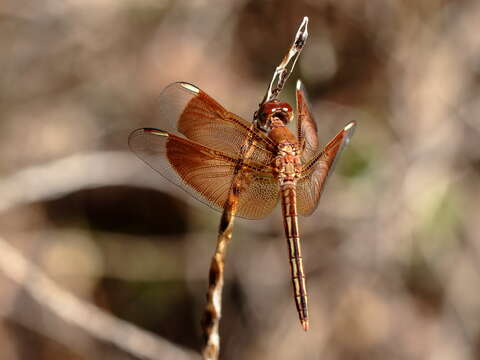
<point x="281" y="110"/>
<point x="285" y="107"/>
<point x="270" y="107"/>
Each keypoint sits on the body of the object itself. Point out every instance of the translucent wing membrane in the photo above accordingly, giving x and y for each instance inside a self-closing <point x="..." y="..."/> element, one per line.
<point x="306" y="126"/>
<point x="259" y="196"/>
<point x="316" y="171"/>
<point x="207" y="174"/>
<point x="195" y="115"/>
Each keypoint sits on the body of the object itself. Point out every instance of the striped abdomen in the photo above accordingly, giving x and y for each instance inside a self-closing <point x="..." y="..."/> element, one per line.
<point x="290" y="218"/>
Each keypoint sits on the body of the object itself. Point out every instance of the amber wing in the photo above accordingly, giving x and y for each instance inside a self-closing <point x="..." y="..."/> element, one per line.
<point x="189" y="111"/>
<point x="220" y="147"/>
<point x="306" y="126"/>
<point x="315" y="172"/>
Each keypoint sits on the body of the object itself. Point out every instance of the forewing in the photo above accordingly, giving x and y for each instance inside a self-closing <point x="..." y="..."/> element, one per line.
<point x="207" y="174"/>
<point x="306" y="126"/>
<point x="192" y="113"/>
<point x="314" y="174"/>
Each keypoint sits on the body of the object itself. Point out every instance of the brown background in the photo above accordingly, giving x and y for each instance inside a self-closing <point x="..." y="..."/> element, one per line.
<point x="391" y="254"/>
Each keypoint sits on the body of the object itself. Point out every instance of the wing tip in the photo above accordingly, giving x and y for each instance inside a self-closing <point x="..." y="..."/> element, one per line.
<point x="139" y="132"/>
<point x="302" y="95"/>
<point x="189" y="87"/>
<point x="299" y="85"/>
<point x="349" y="129"/>
<point x="350" y="126"/>
<point x="154" y="131"/>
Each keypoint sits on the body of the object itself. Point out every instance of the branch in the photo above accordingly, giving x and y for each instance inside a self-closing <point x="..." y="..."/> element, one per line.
<point x="213" y="309"/>
<point x="73" y="173"/>
<point x="285" y="68"/>
<point x="89" y="318"/>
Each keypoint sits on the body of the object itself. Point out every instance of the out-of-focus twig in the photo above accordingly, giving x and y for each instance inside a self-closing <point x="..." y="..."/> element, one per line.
<point x="73" y="173"/>
<point x="89" y="318"/>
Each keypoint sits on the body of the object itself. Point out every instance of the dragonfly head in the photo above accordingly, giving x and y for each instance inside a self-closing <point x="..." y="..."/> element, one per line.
<point x="274" y="113"/>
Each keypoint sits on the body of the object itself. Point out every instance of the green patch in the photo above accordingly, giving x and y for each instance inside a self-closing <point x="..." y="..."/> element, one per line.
<point x="354" y="163"/>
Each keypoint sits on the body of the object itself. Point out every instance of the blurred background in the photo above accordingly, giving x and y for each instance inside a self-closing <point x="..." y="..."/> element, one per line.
<point x="101" y="258"/>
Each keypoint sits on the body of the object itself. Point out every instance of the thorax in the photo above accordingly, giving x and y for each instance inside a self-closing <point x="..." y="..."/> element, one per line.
<point x="287" y="164"/>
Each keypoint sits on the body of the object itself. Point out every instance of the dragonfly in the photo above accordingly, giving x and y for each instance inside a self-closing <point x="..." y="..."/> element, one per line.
<point x="209" y="151"/>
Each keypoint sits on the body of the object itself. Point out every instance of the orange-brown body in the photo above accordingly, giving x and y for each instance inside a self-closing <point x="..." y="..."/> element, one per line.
<point x="287" y="167"/>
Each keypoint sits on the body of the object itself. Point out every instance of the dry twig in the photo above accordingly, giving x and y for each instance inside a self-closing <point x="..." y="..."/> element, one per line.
<point x="213" y="309"/>
<point x="87" y="317"/>
<point x="285" y="68"/>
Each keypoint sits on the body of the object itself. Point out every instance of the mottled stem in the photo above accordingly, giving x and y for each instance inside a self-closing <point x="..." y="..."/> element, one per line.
<point x="285" y="68"/>
<point x="213" y="310"/>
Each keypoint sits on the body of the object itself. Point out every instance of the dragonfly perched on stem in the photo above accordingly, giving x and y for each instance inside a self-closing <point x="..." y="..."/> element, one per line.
<point x="244" y="168"/>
